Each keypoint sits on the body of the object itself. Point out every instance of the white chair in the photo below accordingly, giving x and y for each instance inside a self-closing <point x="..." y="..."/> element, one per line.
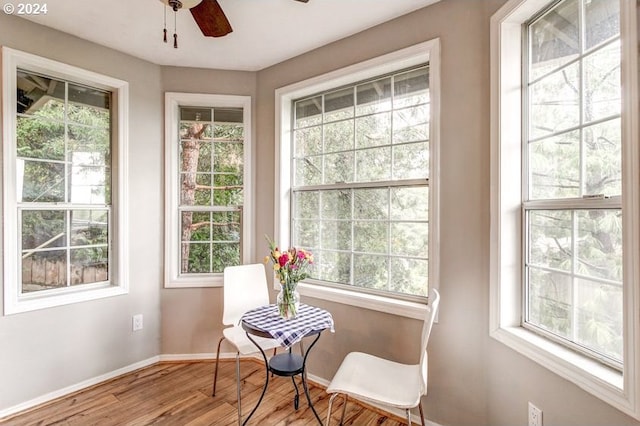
<point x="245" y="288"/>
<point x="380" y="381"/>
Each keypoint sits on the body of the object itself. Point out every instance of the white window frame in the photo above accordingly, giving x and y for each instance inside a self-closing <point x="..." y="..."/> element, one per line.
<point x="427" y="52"/>
<point x="619" y="389"/>
<point x="14" y="301"/>
<point x="173" y="101"/>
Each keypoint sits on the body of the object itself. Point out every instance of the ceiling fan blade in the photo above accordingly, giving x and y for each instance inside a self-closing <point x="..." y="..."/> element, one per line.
<point x="211" y="19"/>
<point x="303" y="1"/>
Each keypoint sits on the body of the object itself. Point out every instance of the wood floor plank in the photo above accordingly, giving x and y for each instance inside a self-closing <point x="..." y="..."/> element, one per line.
<point x="179" y="393"/>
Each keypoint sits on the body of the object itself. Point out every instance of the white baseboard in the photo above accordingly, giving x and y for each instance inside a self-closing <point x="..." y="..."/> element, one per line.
<point x="166" y="358"/>
<point x="78" y="386"/>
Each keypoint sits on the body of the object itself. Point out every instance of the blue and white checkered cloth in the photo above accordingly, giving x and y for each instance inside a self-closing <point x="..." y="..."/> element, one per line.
<point x="289" y="332"/>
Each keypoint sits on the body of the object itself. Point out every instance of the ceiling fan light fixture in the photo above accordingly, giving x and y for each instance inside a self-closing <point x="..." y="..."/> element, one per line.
<point x="181" y="4"/>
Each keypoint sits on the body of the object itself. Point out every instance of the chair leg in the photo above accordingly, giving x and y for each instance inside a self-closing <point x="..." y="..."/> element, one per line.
<point x="344" y="409"/>
<point x="421" y="413"/>
<point x="328" y="422"/>
<point x="238" y="388"/>
<point x="215" y="374"/>
<point x="408" y="416"/>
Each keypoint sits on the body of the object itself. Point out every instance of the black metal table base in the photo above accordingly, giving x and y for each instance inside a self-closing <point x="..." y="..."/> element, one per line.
<point x="286" y="365"/>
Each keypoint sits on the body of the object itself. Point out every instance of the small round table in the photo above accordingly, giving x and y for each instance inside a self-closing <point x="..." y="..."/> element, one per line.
<point x="265" y="322"/>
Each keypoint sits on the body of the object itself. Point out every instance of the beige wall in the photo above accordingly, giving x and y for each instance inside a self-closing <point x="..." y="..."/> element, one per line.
<point x="50" y="349"/>
<point x="474" y="380"/>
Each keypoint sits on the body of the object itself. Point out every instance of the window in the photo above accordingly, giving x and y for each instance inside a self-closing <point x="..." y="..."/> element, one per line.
<point x="62" y="199"/>
<point x="564" y="196"/>
<point x="207" y="147"/>
<point x="358" y="161"/>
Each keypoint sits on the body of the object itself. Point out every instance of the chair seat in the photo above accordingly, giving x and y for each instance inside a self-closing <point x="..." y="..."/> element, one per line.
<point x="378" y="380"/>
<point x="238" y="337"/>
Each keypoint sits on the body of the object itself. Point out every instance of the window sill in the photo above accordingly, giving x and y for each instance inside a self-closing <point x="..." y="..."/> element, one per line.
<point x="361" y="300"/>
<point x="195" y="281"/>
<point x="585" y="372"/>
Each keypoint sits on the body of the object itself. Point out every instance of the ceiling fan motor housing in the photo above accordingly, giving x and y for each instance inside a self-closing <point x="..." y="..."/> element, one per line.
<point x="179" y="4"/>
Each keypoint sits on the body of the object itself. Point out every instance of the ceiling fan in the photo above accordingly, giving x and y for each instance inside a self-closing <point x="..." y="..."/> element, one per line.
<point x="208" y="16"/>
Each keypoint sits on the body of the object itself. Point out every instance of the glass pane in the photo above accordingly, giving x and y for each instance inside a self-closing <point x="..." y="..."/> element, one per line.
<point x="410" y="203"/>
<point x="550" y="239"/>
<point x="411" y="124"/>
<point x="336" y="234"/>
<point x="229" y="116"/>
<point x="308" y="112"/>
<point x="39" y="95"/>
<point x="89" y="145"/>
<point x="411" y="88"/>
<point x="554" y="167"/>
<point x="336" y="204"/>
<point x="43" y="229"/>
<point x="308" y="171"/>
<point x="338" y="167"/>
<point x="89" y="227"/>
<point x="554" y="39"/>
<point x="306" y="205"/>
<point x="226" y="226"/>
<point x="89" y="265"/>
<point x="194" y="131"/>
<point x="202" y="156"/>
<point x="409" y="276"/>
<point x="599" y="244"/>
<point x="373" y="130"/>
<point x="554" y="102"/>
<point x="88" y="106"/>
<point x="88" y="184"/>
<point x="603" y="145"/>
<point x="373" y="164"/>
<point x="306" y="233"/>
<point x="308" y="141"/>
<point x="196" y="258"/>
<point x="228" y="131"/>
<point x="410" y="239"/>
<point x="370" y="272"/>
<point x="44" y="270"/>
<point x="40" y="138"/>
<point x="371" y="237"/>
<point x="549" y="301"/>
<point x="195" y="114"/>
<point x="338" y="136"/>
<point x="338" y="105"/>
<point x="196" y="226"/>
<point x="602" y="87"/>
<point x="195" y="189"/>
<point x="40" y="181"/>
<point x="228" y="190"/>
<point x="411" y="161"/>
<point x="602" y="21"/>
<point x="229" y="157"/>
<point x="373" y="97"/>
<point x="333" y="266"/>
<point x="371" y="204"/>
<point x="599" y="321"/>
<point x="225" y="254"/>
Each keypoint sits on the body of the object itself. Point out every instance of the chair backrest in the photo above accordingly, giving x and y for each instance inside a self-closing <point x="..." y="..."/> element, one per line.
<point x="432" y="310"/>
<point x="245" y="288"/>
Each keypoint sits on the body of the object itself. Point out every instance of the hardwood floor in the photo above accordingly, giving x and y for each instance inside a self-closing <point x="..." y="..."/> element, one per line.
<point x="179" y="393"/>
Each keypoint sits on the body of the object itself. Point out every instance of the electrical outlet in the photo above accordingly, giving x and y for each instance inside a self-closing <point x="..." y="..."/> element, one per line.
<point x="137" y="322"/>
<point x="535" y="415"/>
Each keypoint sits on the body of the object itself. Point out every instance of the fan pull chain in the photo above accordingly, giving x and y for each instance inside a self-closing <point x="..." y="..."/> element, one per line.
<point x="165" y="25"/>
<point x="175" y="31"/>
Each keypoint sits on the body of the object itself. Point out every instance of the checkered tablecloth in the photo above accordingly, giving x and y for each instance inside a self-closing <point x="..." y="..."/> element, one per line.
<point x="289" y="332"/>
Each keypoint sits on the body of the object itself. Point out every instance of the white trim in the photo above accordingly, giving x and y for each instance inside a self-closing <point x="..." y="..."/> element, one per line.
<point x="173" y="101"/>
<point x="617" y="389"/>
<point x="426" y="52"/>
<point x="77" y="387"/>
<point x="13" y="303"/>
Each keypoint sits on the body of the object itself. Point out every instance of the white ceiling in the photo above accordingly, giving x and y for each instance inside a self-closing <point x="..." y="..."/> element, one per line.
<point x="265" y="32"/>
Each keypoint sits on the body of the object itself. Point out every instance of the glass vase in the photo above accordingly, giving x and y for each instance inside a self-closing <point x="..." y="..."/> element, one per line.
<point x="288" y="301"/>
